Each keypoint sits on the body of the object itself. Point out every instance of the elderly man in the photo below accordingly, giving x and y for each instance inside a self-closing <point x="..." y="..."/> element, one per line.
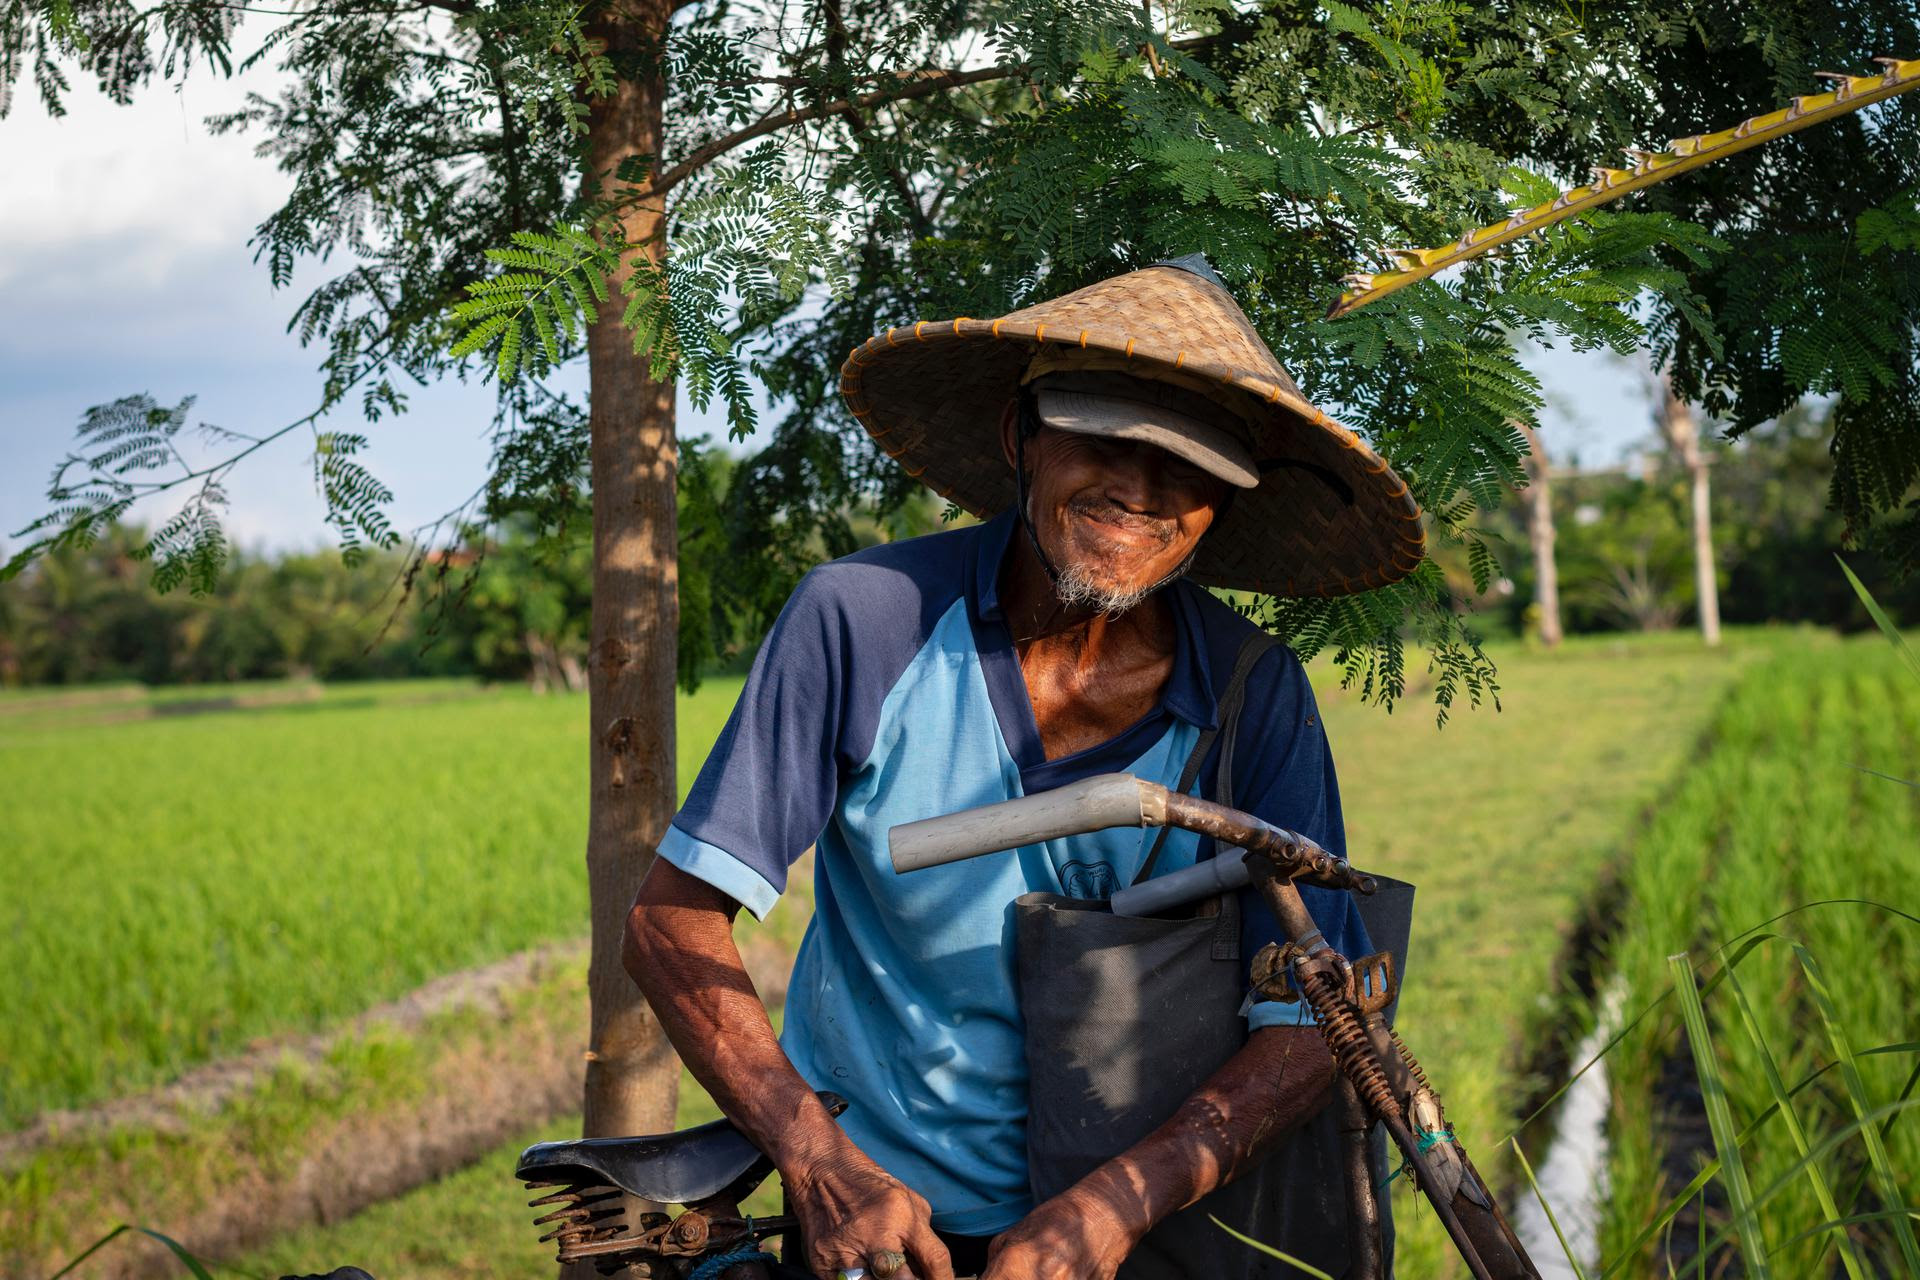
<point x="1125" y="440"/>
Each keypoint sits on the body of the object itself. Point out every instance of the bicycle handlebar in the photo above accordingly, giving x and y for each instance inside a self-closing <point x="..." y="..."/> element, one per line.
<point x="1121" y="800"/>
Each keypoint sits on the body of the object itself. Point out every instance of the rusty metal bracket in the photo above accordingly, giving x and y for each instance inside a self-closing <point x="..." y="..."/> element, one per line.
<point x="1374" y="982"/>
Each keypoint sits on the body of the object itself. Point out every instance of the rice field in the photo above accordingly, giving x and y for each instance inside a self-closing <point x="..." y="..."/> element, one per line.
<point x="180" y="883"/>
<point x="1504" y="820"/>
<point x="193" y="879"/>
<point x="1799" y="806"/>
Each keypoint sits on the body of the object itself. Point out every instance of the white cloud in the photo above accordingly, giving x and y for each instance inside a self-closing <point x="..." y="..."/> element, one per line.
<point x="144" y="183"/>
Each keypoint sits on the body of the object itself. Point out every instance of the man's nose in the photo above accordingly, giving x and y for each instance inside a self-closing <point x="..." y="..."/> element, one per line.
<point x="1135" y="477"/>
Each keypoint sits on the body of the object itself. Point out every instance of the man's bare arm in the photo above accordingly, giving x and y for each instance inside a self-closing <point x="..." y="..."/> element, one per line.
<point x="1278" y="1080"/>
<point x="679" y="949"/>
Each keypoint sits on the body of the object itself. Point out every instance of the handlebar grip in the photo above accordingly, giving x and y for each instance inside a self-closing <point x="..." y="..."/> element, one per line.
<point x="1189" y="884"/>
<point x="1092" y="804"/>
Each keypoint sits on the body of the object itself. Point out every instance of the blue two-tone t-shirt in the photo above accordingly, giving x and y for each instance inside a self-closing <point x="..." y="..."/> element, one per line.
<point x="889" y="691"/>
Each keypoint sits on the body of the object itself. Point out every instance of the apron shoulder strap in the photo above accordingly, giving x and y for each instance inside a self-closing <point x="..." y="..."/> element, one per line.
<point x="1232" y="698"/>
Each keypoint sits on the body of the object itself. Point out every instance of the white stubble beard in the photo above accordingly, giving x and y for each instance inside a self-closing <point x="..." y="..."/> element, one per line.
<point x="1076" y="588"/>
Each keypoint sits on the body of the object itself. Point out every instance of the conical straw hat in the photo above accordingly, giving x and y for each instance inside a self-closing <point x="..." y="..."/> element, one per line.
<point x="1329" y="517"/>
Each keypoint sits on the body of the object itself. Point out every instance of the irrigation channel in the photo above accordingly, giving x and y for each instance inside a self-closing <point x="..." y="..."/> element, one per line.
<point x="1572" y="1170"/>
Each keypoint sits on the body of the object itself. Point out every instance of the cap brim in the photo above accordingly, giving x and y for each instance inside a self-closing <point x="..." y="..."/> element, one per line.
<point x="1210" y="448"/>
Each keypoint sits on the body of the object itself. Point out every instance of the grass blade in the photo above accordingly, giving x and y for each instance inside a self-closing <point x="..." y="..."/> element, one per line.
<point x="1883" y="1173"/>
<point x="1881" y="620"/>
<point x="1526" y="1167"/>
<point x="1731" y="953"/>
<point x="1711" y="1167"/>
<point x="187" y="1260"/>
<point x="92" y="1249"/>
<point x="1305" y="1268"/>
<point x="1828" y="1144"/>
<point x="1783" y="1098"/>
<point x="1853" y="1220"/>
<point x="1713" y="1093"/>
<point x="1631" y="1254"/>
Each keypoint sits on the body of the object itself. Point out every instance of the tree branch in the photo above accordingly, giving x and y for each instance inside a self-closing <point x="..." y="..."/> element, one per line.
<point x="916" y="84"/>
<point x="922" y="82"/>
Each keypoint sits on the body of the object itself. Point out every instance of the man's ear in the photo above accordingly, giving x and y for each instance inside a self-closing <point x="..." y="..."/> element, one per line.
<point x="1010" y="433"/>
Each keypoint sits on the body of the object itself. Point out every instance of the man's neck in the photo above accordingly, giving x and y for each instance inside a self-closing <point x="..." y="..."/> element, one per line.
<point x="1088" y="674"/>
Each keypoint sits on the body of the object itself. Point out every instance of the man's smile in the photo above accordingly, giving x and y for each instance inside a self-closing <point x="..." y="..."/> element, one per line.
<point x="1114" y="523"/>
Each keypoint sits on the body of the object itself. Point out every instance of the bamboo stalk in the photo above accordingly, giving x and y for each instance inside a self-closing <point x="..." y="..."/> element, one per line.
<point x="1648" y="168"/>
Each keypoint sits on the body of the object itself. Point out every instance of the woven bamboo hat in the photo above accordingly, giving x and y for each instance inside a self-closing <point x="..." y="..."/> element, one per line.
<point x="1329" y="516"/>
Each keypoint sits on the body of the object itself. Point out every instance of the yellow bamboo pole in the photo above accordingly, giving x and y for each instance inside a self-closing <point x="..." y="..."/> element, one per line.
<point x="1649" y="167"/>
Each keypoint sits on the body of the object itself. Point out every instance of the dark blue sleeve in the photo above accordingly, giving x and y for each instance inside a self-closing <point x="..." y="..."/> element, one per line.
<point x="1283" y="772"/>
<point x="769" y="786"/>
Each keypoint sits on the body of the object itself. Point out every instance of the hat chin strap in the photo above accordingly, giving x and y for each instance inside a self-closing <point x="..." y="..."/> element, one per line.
<point x="1027" y="424"/>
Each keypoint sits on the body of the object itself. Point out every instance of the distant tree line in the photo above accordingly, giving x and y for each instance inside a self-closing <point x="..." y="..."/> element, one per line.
<point x="510" y="605"/>
<point x="1625" y="552"/>
<point x="505" y="603"/>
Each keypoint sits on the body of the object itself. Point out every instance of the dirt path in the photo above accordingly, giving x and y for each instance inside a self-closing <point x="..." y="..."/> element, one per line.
<point x="482" y="1055"/>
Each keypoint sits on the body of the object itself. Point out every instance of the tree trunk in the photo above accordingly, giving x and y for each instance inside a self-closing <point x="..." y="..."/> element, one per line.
<point x="631" y="1071"/>
<point x="1540" y="533"/>
<point x="1683" y="436"/>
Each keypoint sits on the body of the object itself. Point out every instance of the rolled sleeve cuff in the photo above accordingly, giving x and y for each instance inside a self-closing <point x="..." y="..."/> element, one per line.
<point x="720" y="869"/>
<point x="1277" y="1013"/>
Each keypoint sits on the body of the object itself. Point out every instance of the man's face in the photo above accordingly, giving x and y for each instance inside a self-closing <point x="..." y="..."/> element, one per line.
<point x="1114" y="516"/>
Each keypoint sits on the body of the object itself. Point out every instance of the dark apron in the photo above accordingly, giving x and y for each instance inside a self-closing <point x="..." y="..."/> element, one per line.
<point x="1126" y="1018"/>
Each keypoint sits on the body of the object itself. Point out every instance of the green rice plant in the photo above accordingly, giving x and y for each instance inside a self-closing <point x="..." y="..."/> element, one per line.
<point x="1720" y="1116"/>
<point x="1591" y="736"/>
<point x="1789" y="1115"/>
<point x="1773" y="824"/>
<point x="1587" y="740"/>
<point x="1891" y="1193"/>
<point x="180" y="886"/>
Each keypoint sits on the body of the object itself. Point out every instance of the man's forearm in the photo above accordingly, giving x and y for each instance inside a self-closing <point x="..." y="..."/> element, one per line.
<point x="680" y="950"/>
<point x="1278" y="1080"/>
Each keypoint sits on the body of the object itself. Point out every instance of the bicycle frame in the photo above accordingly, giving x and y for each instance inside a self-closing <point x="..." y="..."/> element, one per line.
<point x="1349" y="999"/>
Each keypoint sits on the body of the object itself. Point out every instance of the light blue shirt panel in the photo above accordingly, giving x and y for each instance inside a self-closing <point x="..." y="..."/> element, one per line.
<point x="903" y="995"/>
<point x="721" y="869"/>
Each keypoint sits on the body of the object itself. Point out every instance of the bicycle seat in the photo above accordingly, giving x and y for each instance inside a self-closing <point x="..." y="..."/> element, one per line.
<point x="667" y="1168"/>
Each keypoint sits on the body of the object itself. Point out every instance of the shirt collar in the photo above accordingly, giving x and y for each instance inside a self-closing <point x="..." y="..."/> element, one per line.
<point x="1189" y="693"/>
<point x="995" y="536"/>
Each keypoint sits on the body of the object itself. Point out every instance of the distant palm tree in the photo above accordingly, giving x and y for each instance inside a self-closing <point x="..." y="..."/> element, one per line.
<point x="1682" y="432"/>
<point x="1540" y="534"/>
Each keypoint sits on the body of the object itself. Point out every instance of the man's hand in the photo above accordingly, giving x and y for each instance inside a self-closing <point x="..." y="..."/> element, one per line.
<point x="852" y="1212"/>
<point x="1070" y="1237"/>
<point x="679" y="949"/>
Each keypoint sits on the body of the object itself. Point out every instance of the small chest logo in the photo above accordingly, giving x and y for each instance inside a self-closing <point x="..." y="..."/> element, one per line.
<point x="1089" y="880"/>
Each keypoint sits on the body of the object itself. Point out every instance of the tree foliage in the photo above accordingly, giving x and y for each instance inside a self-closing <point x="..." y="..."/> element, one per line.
<point x="836" y="166"/>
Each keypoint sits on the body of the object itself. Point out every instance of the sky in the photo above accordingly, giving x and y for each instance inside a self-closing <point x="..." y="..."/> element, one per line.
<point x="125" y="268"/>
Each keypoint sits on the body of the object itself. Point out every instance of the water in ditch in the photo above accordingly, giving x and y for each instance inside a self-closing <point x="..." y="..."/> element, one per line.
<point x="1572" y="1171"/>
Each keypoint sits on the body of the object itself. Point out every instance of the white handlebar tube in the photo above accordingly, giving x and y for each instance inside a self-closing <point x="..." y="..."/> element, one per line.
<point x="1118" y="800"/>
<point x="1092" y="804"/>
